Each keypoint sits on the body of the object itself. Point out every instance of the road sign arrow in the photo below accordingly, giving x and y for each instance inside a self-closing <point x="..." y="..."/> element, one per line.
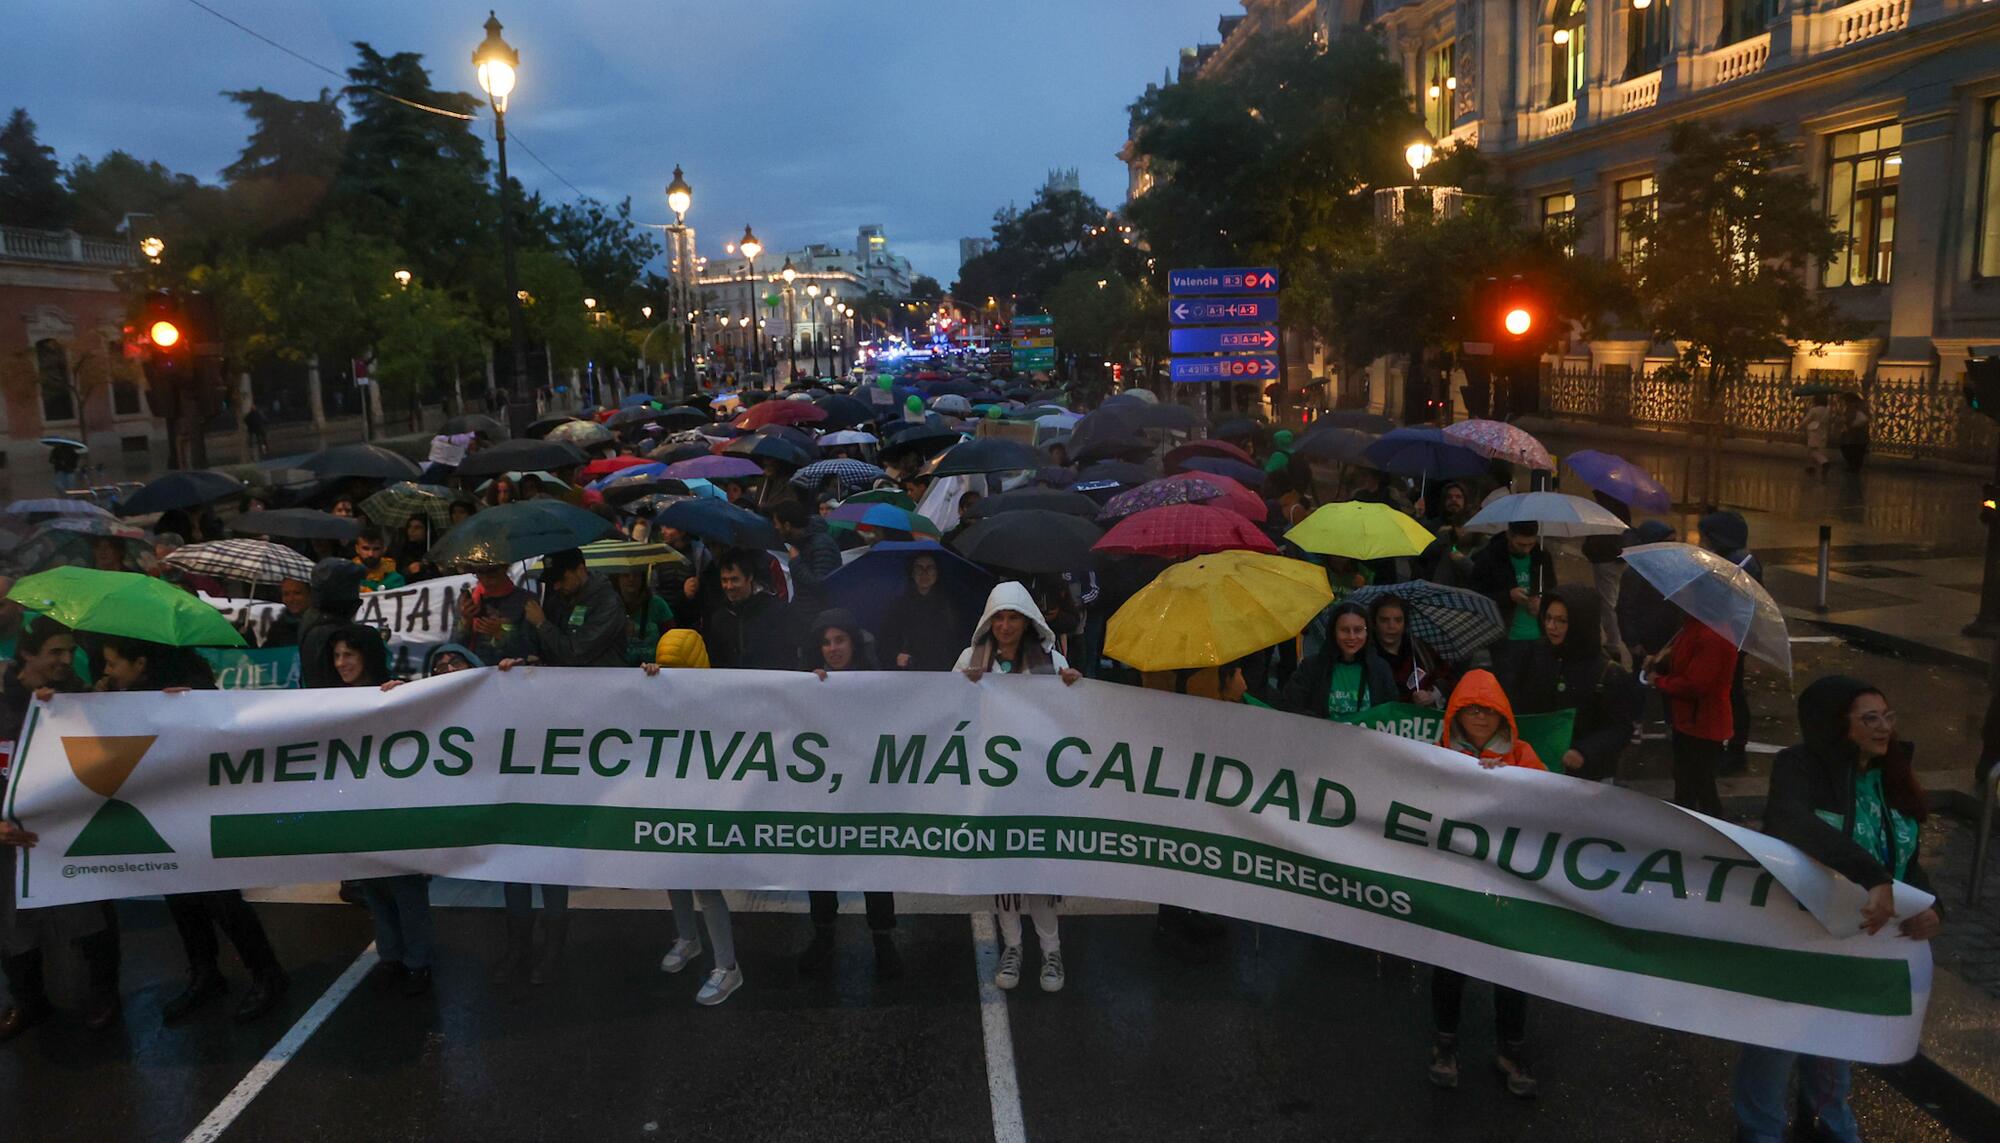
<point x="1180" y="311"/>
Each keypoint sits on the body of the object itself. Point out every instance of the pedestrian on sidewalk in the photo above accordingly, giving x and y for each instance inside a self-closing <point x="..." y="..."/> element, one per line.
<point x="1847" y="795"/>
<point x="1480" y="723"/>
<point x="1854" y="435"/>
<point x="682" y="649"/>
<point x="1693" y="670"/>
<point x="1727" y="534"/>
<point x="1012" y="638"/>
<point x="137" y="665"/>
<point x="1819" y="426"/>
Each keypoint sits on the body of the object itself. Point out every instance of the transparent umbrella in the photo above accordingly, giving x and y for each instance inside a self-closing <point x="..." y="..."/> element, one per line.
<point x="1720" y="594"/>
<point x="1554" y="513"/>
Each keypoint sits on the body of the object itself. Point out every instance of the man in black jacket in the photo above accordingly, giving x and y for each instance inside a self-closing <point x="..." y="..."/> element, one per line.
<point x="815" y="554"/>
<point x="1515" y="572"/>
<point x="584" y="623"/>
<point x="749" y="629"/>
<point x="336" y="597"/>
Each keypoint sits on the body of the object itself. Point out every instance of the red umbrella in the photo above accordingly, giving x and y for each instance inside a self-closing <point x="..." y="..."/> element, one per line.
<point x="1182" y="530"/>
<point x="1235" y="497"/>
<point x="1220" y="449"/>
<point x="781" y="413"/>
<point x="606" y="465"/>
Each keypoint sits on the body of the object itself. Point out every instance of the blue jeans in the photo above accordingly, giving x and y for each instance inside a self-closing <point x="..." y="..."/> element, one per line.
<point x="1763" y="1076"/>
<point x="401" y="906"/>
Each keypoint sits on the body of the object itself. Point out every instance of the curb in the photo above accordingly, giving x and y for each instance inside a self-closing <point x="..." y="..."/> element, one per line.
<point x="1961" y="1108"/>
<point x="1883" y="643"/>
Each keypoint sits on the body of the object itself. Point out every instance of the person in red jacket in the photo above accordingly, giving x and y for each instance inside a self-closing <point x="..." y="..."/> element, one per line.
<point x="1695" y="670"/>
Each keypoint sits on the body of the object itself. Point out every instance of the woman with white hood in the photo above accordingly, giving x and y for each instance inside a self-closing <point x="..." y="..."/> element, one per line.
<point x="1013" y="639"/>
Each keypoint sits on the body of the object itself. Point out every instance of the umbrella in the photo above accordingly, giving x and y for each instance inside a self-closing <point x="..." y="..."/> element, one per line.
<point x="64" y="442"/>
<point x="364" y="461"/>
<point x="68" y="539"/>
<point x="680" y="450"/>
<point x="257" y="561"/>
<point x="1036" y="499"/>
<point x="525" y="455"/>
<point x="297" y="524"/>
<point x="1108" y="434"/>
<point x="393" y="506"/>
<point x="1241" y="429"/>
<point x="541" y="428"/>
<point x="844" y="412"/>
<point x="762" y="447"/>
<point x="552" y="484"/>
<point x="1360" y="530"/>
<point x="183" y="489"/>
<point x="851" y="475"/>
<point x="1221" y="450"/>
<point x="885" y="516"/>
<point x="720" y="522"/>
<point x="1150" y="414"/>
<point x="786" y="412"/>
<point x="127" y="604"/>
<point x="894" y="496"/>
<point x="644" y="470"/>
<point x="631" y="400"/>
<point x="680" y="417"/>
<point x="1718" y="593"/>
<point x="1621" y="480"/>
<point x="582" y="434"/>
<point x="1423" y="452"/>
<point x="991" y="454"/>
<point x="473" y="423"/>
<point x="1032" y="542"/>
<point x="1354" y="419"/>
<point x="925" y="439"/>
<point x="612" y="556"/>
<point x="1555" y="513"/>
<point x="1160" y="494"/>
<point x="55" y="506"/>
<point x="1181" y="530"/>
<point x="1105" y="473"/>
<point x="1215" y="609"/>
<point x="869" y="584"/>
<point x="510" y="533"/>
<point x="1452" y="621"/>
<point x="93" y="526"/>
<point x="606" y="465"/>
<point x="1501" y="441"/>
<point x="634" y="415"/>
<point x="1342" y="446"/>
<point x="953" y="404"/>
<point x="716" y="468"/>
<point x="1248" y="475"/>
<point x="1057" y="422"/>
<point x="848" y="437"/>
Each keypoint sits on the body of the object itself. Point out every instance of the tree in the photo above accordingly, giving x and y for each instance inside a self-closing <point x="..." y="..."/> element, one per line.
<point x="1061" y="230"/>
<point x="926" y="289"/>
<point x="31" y="189"/>
<point x="1112" y="317"/>
<point x="1723" y="261"/>
<point x="607" y="248"/>
<point x="288" y="165"/>
<point x="422" y="334"/>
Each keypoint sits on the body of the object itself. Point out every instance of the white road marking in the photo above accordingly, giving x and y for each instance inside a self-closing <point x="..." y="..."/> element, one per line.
<point x="281" y="1053"/>
<point x="1003" y="1085"/>
<point x="1817" y="639"/>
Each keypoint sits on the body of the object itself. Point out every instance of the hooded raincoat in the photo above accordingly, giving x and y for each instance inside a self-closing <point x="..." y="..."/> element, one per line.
<point x="1577" y="676"/>
<point x="1038" y="646"/>
<point x="1480" y="688"/>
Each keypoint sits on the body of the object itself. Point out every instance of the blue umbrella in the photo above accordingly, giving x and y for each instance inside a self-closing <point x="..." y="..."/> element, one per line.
<point x="1423" y="451"/>
<point x="719" y="522"/>
<point x="632" y="399"/>
<point x="1246" y="475"/>
<point x="635" y="472"/>
<point x="875" y="579"/>
<point x="1621" y="480"/>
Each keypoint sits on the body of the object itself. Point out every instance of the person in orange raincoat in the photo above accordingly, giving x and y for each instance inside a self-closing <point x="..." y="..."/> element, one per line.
<point x="1480" y="722"/>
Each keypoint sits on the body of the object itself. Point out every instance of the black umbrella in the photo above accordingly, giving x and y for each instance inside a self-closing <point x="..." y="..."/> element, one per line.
<point x="1109" y="432"/>
<point x="720" y="522"/>
<point x="621" y="493"/>
<point x="474" y="423"/>
<point x="680" y="417"/>
<point x="1036" y="500"/>
<point x="539" y="429"/>
<point x="921" y="439"/>
<point x="990" y="454"/>
<point x="636" y="415"/>
<point x="1119" y="472"/>
<point x="844" y="412"/>
<point x="758" y="446"/>
<point x="1240" y="429"/>
<point x="366" y="461"/>
<point x="184" y="489"/>
<point x="297" y="524"/>
<point x="792" y="433"/>
<point x="507" y="533"/>
<point x="1151" y="414"/>
<point x="683" y="451"/>
<point x="1354" y="419"/>
<point x="1344" y="446"/>
<point x="521" y="456"/>
<point x="1035" y="541"/>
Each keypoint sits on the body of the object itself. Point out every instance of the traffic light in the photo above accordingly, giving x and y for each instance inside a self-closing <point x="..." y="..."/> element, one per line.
<point x="1982" y="384"/>
<point x="1989" y="504"/>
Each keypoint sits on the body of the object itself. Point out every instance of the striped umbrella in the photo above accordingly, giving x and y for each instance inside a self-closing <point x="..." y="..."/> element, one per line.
<point x="852" y="475"/>
<point x="393" y="506"/>
<point x="255" y="561"/>
<point x="612" y="556"/>
<point x="1452" y="621"/>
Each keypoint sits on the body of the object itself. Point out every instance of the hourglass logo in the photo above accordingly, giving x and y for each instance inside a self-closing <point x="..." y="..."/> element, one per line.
<point x="103" y="764"/>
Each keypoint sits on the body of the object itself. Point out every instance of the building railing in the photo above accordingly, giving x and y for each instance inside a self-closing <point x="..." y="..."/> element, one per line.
<point x="62" y="246"/>
<point x="1913" y="414"/>
<point x="1855" y="22"/>
<point x="1396" y="205"/>
<point x="1556" y="120"/>
<point x="1729" y="64"/>
<point x="1636" y="94"/>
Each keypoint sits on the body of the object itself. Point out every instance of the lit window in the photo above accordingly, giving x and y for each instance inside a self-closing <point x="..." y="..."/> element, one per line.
<point x="1568" y="61"/>
<point x="1862" y="173"/>
<point x="1637" y="198"/>
<point x="1989" y="197"/>
<point x="1559" y="218"/>
<point x="1440" y="90"/>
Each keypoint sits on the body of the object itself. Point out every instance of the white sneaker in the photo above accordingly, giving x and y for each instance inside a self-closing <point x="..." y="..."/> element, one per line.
<point x="679" y="956"/>
<point x="1009" y="973"/>
<point x="1052" y="972"/>
<point x="719" y="985"/>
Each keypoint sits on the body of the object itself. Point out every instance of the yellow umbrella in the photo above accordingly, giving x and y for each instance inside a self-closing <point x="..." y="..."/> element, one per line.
<point x="1360" y="531"/>
<point x="1215" y="609"/>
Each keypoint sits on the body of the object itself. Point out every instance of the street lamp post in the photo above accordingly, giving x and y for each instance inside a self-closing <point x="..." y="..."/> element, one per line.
<point x="497" y="62"/>
<point x="812" y="301"/>
<point x="680" y="196"/>
<point x="790" y="275"/>
<point x="751" y="247"/>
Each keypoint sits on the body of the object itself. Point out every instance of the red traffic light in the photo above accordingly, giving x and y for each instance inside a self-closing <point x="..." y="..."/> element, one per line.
<point x="1518" y="321"/>
<point x="164" y="334"/>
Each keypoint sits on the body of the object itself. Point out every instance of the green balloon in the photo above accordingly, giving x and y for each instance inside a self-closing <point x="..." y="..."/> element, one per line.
<point x="914" y="403"/>
<point x="1279" y="461"/>
<point x="1282" y="440"/>
<point x="992" y="412"/>
<point x="885" y="381"/>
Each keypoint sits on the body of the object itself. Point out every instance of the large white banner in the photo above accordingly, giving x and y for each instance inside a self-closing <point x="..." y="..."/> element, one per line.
<point x="1592" y="895"/>
<point x="413" y="619"/>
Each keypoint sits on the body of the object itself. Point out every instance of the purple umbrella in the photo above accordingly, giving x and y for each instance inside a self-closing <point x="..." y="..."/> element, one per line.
<point x="1621" y="480"/>
<point x="1159" y="494"/>
<point x="715" y="468"/>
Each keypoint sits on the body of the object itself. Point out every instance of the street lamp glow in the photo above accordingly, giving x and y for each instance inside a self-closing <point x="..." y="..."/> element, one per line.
<point x="1518" y="320"/>
<point x="744" y="322"/>
<point x="496" y="62"/>
<point x="1562" y="36"/>
<point x="680" y="195"/>
<point x="1641" y="5"/>
<point x="829" y="300"/>
<point x="152" y="248"/>
<point x="789" y="274"/>
<point x="402" y="278"/>
<point x="590" y="303"/>
<point x="1418" y="155"/>
<point x="646" y="312"/>
<point x="812" y="289"/>
<point x="749" y="244"/>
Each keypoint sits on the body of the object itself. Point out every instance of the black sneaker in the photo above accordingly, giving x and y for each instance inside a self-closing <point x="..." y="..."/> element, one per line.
<point x="888" y="962"/>
<point x="1512" y="1063"/>
<point x="199" y="991"/>
<point x="390" y="973"/>
<point x="818" y="956"/>
<point x="265" y="992"/>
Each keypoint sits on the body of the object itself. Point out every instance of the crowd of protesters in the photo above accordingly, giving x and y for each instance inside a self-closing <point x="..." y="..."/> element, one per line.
<point x="1610" y="649"/>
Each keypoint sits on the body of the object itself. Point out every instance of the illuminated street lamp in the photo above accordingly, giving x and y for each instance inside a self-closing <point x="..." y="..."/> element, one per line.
<point x="680" y="197"/>
<point x="791" y="275"/>
<point x="1418" y="155"/>
<point x="751" y="247"/>
<point x="646" y="312"/>
<point x="402" y="278"/>
<point x="497" y="64"/>
<point x="812" y="299"/>
<point x="152" y="248"/>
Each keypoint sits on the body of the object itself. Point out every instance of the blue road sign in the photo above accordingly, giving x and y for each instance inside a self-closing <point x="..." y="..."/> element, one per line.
<point x="1209" y="311"/>
<point x="1223" y="339"/>
<point x="1257" y="367"/>
<point x="1230" y="280"/>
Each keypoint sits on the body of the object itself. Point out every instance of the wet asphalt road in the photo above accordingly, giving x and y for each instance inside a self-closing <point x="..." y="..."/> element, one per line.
<point x="1278" y="1037"/>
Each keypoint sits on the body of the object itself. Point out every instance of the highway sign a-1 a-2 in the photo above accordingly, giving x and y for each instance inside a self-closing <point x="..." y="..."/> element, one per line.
<point x="1212" y="311"/>
<point x="1223" y="339"/>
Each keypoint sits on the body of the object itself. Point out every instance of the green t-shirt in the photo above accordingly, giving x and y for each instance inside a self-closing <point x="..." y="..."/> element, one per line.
<point x="1870" y="831"/>
<point x="647" y="629"/>
<point x="1525" y="625"/>
<point x="1343" y="692"/>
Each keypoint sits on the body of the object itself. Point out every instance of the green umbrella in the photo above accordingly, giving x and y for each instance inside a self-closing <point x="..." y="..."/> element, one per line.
<point x="393" y="506"/>
<point x="127" y="604"/>
<point x="513" y="532"/>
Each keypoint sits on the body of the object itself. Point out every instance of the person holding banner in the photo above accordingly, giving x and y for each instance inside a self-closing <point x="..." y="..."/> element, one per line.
<point x="1694" y="671"/>
<point x="1568" y="670"/>
<point x="1480" y="723"/>
<point x="1001" y="644"/>
<point x="1420" y="678"/>
<point x="42" y="666"/>
<point x="1346" y="676"/>
<point x="1847" y="795"/>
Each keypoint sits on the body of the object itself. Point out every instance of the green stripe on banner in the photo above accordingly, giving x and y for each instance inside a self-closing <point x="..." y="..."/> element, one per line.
<point x="1861" y="985"/>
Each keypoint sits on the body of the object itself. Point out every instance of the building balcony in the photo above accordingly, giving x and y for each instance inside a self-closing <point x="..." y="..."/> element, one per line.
<point x="1635" y="94"/>
<point x="1731" y="63"/>
<point x="1853" y="23"/>
<point x="1551" y="121"/>
<point x="63" y="246"/>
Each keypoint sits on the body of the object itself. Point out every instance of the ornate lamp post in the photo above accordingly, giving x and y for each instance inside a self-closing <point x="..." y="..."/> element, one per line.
<point x="497" y="63"/>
